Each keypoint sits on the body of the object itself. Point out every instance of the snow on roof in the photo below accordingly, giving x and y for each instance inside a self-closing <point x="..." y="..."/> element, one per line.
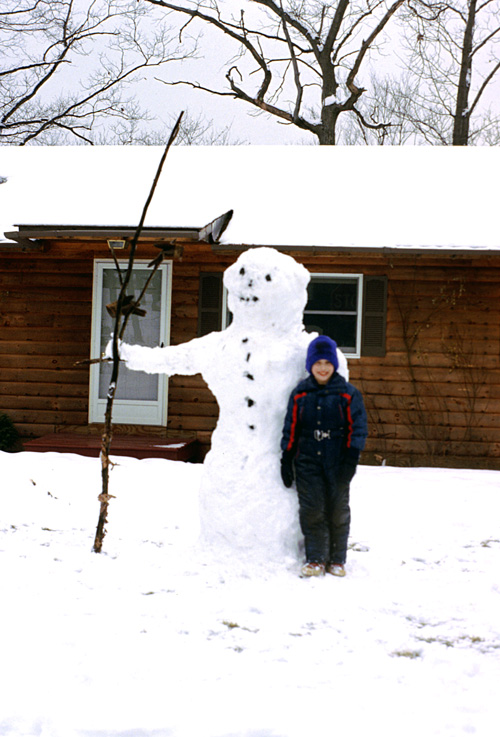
<point x="281" y="195"/>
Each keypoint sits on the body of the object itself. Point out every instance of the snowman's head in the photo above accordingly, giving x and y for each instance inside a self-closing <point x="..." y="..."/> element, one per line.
<point x="267" y="289"/>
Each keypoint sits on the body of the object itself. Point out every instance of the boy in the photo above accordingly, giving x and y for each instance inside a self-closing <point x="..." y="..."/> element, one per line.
<point x="324" y="432"/>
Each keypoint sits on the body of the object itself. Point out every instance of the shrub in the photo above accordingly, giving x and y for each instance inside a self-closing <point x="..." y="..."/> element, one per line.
<point x="9" y="437"/>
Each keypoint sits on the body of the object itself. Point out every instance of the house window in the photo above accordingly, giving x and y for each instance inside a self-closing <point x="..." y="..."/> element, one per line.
<point x="140" y="398"/>
<point x="350" y="308"/>
<point x="334" y="308"/>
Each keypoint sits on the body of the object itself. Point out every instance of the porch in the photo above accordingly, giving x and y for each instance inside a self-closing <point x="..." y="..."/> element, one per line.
<point x="135" y="446"/>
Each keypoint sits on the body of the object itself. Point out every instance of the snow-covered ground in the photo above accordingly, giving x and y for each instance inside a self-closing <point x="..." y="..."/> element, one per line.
<point x="156" y="637"/>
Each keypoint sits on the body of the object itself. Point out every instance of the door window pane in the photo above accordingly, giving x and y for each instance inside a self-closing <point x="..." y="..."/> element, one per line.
<point x="135" y="385"/>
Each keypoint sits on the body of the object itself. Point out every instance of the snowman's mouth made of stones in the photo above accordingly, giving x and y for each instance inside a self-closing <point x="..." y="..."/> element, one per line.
<point x="249" y="299"/>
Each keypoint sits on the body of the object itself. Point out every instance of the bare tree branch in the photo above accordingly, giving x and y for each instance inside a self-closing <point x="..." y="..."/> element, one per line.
<point x="43" y="42"/>
<point x="227" y="29"/>
<point x="293" y="22"/>
<point x="353" y="88"/>
<point x="296" y="73"/>
<point x="296" y="46"/>
<point x="483" y="87"/>
<point x="119" y="328"/>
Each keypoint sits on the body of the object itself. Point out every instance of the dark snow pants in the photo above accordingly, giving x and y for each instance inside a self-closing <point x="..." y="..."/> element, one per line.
<point x="325" y="515"/>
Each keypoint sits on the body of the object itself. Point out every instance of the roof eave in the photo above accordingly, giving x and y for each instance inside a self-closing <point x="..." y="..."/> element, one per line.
<point x="77" y="232"/>
<point x="29" y="236"/>
<point x="398" y="250"/>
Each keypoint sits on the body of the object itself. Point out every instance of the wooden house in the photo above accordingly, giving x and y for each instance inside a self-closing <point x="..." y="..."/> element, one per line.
<point x="419" y="322"/>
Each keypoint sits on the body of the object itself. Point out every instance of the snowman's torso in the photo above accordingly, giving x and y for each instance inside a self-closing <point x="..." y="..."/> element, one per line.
<point x="252" y="380"/>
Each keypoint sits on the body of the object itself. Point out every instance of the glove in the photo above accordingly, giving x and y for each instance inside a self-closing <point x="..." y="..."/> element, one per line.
<point x="348" y="466"/>
<point x="287" y="474"/>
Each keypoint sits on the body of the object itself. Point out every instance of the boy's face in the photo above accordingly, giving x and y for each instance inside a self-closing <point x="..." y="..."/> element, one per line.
<point x="322" y="371"/>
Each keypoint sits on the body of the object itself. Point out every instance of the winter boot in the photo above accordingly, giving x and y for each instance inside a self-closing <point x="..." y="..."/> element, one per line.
<point x="336" y="569"/>
<point x="313" y="569"/>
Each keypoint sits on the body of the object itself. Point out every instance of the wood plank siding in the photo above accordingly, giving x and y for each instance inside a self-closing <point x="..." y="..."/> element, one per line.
<point x="433" y="398"/>
<point x="45" y="308"/>
<point x="45" y="326"/>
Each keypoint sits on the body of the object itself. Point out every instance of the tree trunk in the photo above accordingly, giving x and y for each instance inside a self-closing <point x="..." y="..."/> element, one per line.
<point x="326" y="132"/>
<point x="462" y="114"/>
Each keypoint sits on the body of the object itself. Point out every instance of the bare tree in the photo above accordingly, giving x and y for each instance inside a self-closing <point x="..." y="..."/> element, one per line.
<point x="197" y="130"/>
<point x="453" y="60"/>
<point x="297" y="60"/>
<point x="194" y="130"/>
<point x="388" y="99"/>
<point x="65" y="66"/>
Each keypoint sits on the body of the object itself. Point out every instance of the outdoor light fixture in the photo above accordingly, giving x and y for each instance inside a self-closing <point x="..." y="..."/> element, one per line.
<point x="115" y="245"/>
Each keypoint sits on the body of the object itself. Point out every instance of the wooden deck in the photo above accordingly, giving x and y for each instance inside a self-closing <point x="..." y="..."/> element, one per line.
<point x="173" y="449"/>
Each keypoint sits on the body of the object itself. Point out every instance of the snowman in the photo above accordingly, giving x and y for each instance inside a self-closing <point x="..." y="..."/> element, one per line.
<point x="251" y="368"/>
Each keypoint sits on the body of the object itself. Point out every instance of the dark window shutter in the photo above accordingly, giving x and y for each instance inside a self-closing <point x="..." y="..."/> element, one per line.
<point x="210" y="303"/>
<point x="374" y="316"/>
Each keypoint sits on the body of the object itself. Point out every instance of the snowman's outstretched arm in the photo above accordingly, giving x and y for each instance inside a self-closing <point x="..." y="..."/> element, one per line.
<point x="188" y="358"/>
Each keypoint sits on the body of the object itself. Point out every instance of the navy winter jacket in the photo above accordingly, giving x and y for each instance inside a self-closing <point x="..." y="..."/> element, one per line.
<point x="323" y="421"/>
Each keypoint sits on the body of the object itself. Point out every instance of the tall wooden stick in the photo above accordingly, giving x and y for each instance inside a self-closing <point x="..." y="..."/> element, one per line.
<point x="119" y="328"/>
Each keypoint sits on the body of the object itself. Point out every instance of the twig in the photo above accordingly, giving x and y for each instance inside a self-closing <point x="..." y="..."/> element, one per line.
<point x="91" y="361"/>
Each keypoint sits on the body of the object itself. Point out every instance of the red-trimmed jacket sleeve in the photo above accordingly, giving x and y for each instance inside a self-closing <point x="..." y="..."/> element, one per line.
<point x="292" y="421"/>
<point x="357" y="424"/>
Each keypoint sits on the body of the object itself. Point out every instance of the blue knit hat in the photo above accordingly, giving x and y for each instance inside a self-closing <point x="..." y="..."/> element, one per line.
<point x="322" y="347"/>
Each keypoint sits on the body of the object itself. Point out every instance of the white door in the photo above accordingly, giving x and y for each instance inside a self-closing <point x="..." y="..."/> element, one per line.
<point x="140" y="399"/>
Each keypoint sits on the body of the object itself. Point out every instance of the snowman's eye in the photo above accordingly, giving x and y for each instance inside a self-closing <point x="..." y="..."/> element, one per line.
<point x="268" y="277"/>
<point x="242" y="271"/>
